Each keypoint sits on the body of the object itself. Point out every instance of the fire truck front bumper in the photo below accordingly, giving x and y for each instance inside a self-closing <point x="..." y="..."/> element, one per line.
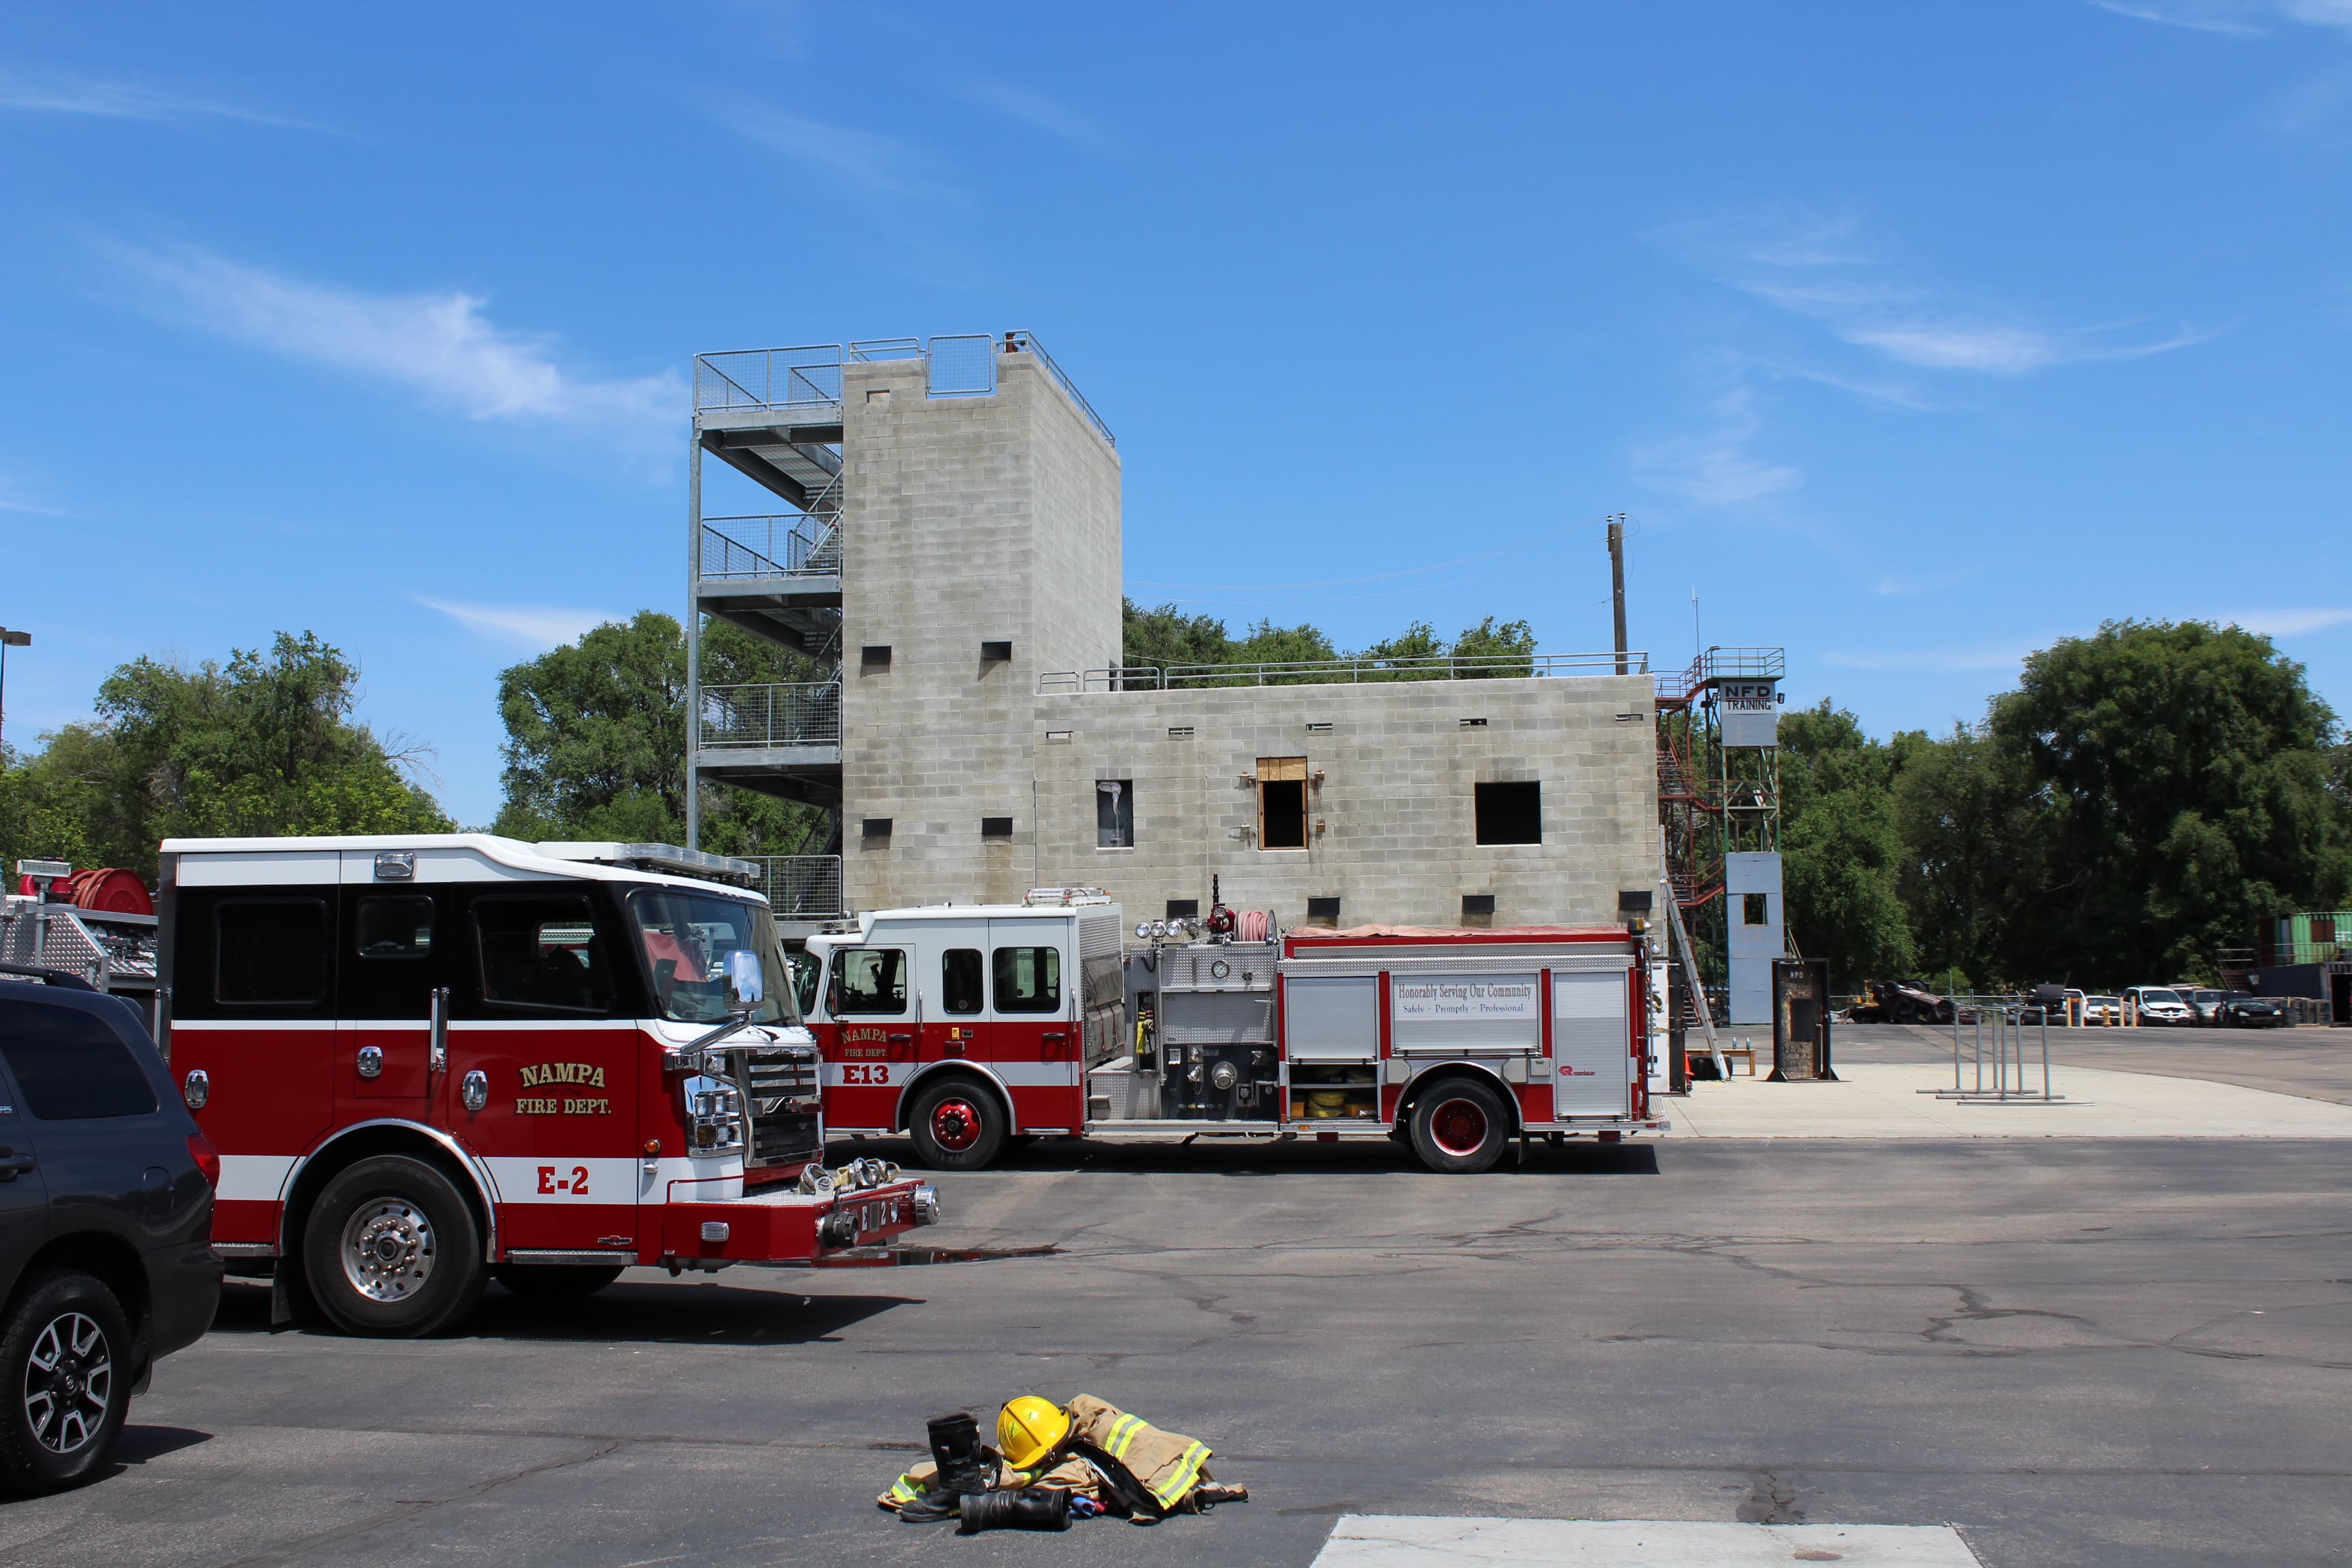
<point x="791" y="1226"/>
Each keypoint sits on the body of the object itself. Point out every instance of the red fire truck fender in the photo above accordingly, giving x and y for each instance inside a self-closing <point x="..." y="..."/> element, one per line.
<point x="476" y="1172"/>
<point x="902" y="1115"/>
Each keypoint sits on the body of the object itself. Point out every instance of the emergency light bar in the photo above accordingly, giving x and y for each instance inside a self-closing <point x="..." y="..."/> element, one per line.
<point x="669" y="858"/>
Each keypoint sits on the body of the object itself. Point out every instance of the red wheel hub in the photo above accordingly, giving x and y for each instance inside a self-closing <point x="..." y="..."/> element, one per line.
<point x="1459" y="1126"/>
<point x="955" y="1124"/>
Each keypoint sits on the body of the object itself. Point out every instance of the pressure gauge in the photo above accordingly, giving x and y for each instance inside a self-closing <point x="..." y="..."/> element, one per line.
<point x="1221" y="969"/>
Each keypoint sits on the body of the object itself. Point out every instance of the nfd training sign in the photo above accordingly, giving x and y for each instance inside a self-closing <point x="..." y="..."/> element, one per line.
<point x="1462" y="997"/>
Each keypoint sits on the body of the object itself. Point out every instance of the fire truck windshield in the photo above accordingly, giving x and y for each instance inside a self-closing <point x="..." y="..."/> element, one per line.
<point x="688" y="940"/>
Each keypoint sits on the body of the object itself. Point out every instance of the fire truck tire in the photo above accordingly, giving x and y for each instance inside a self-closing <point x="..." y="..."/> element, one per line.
<point x="957" y="1126"/>
<point x="392" y="1250"/>
<point x="552" y="1282"/>
<point x="65" y="1365"/>
<point x="1459" y="1127"/>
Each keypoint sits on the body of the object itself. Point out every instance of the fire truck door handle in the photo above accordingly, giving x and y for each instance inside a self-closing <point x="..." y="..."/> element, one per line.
<point x="440" y="1049"/>
<point x="902" y="1040"/>
<point x="1057" y="1035"/>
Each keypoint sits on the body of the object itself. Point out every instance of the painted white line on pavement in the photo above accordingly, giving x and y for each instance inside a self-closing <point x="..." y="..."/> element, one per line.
<point x="1379" y="1541"/>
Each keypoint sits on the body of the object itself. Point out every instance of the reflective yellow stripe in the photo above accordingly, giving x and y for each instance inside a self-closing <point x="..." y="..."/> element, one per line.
<point x="1122" y="1433"/>
<point x="1181" y="1478"/>
<point x="901" y="1490"/>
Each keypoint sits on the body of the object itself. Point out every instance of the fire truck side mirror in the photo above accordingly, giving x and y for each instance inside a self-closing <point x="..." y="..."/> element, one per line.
<point x="746" y="985"/>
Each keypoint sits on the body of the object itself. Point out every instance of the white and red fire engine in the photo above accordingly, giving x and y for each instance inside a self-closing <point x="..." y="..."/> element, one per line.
<point x="428" y="1059"/>
<point x="963" y="1026"/>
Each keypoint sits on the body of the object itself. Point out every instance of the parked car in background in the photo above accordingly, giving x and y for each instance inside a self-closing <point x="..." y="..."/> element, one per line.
<point x="2049" y="1004"/>
<point x="2244" y="1010"/>
<point x="2204" y="1003"/>
<point x="2102" y="1010"/>
<point x="106" y="1221"/>
<point x="2158" y="1005"/>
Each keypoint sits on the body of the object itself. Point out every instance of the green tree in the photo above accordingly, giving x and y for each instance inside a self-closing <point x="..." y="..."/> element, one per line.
<point x="2186" y="776"/>
<point x="1972" y="842"/>
<point x="1841" y="849"/>
<point x="262" y="747"/>
<point x="1513" y="642"/>
<point x="597" y="740"/>
<point x="1166" y="636"/>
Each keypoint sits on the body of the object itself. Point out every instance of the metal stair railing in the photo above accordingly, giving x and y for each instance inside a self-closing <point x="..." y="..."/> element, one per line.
<point x="793" y="713"/>
<point x="801" y="886"/>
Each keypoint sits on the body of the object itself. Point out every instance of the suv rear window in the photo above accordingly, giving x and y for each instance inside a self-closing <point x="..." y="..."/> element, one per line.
<point x="70" y="1067"/>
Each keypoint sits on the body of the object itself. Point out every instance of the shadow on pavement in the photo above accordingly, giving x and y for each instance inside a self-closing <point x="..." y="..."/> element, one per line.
<point x="1217" y="1157"/>
<point x="635" y="1310"/>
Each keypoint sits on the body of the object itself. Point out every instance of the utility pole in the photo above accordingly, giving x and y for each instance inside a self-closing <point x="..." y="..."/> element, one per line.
<point x="1617" y="582"/>
<point x="9" y="639"/>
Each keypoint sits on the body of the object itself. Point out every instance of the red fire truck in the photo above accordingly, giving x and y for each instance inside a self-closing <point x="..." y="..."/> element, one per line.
<point x="965" y="1025"/>
<point x="427" y="1060"/>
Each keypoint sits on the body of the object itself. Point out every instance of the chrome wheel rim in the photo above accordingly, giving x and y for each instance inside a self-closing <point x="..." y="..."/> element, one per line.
<point x="69" y="1383"/>
<point x="388" y="1249"/>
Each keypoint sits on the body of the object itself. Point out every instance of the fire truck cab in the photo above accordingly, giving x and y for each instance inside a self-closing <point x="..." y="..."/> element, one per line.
<point x="953" y="1025"/>
<point x="426" y="1061"/>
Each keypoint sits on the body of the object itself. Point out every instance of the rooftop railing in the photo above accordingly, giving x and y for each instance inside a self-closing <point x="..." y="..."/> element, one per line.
<point x="1723" y="664"/>
<point x="796" y="713"/>
<point x="959" y="364"/>
<point x="804" y="377"/>
<point x="1341" y="671"/>
<point x="791" y="545"/>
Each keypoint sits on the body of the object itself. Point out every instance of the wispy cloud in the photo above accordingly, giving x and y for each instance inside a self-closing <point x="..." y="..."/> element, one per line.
<point x="1715" y="468"/>
<point x="52" y="93"/>
<point x="525" y="626"/>
<point x="2243" y="19"/>
<point x="12" y="500"/>
<point x="1827" y="271"/>
<point x="1040" y="113"/>
<point x="1973" y="655"/>
<point x="882" y="164"/>
<point x="440" y="345"/>
<point x="2289" y="623"/>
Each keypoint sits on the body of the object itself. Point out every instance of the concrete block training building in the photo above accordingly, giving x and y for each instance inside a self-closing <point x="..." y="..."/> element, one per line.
<point x="949" y="555"/>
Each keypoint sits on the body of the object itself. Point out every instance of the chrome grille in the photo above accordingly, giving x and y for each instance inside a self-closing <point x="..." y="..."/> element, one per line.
<point x="780" y="1095"/>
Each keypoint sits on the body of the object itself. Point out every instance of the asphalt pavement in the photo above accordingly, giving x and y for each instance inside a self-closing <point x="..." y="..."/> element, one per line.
<point x="2077" y="1351"/>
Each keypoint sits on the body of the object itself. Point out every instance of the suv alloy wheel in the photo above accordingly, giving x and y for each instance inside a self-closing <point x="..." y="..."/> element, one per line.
<point x="66" y="1371"/>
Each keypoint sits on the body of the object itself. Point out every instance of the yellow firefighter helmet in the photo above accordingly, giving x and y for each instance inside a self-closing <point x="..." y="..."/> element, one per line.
<point x="1029" y="1428"/>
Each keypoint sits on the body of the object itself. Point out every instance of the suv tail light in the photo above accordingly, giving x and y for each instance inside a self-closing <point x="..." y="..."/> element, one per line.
<point x="208" y="1159"/>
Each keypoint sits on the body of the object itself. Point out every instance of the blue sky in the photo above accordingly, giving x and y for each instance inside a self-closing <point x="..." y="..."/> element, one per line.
<point x="1910" y="337"/>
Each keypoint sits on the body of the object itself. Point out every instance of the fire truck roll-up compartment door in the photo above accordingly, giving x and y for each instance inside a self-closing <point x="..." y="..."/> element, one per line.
<point x="1331" y="1020"/>
<point x="1592" y="1043"/>
<point x="1103" y="987"/>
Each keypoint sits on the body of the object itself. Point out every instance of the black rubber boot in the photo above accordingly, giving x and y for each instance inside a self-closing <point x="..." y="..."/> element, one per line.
<point x="1031" y="1507"/>
<point x="956" y="1455"/>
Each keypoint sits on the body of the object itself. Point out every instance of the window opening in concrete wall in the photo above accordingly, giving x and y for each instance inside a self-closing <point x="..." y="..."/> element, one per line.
<point x="1180" y="731"/>
<point x="1028" y="979"/>
<point x="1755" y="909"/>
<point x="1114" y="813"/>
<point x="959" y="980"/>
<point x="996" y="827"/>
<point x="876" y="827"/>
<point x="874" y="656"/>
<point x="1474" y="723"/>
<point x="1323" y="911"/>
<point x="1282" y="803"/>
<point x="1184" y="909"/>
<point x="1510" y="813"/>
<point x="1477" y="909"/>
<point x="1318" y="729"/>
<point x="995" y="652"/>
<point x="870" y="980"/>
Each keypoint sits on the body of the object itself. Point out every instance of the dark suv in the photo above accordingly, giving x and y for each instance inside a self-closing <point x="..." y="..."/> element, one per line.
<point x="106" y="1221"/>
